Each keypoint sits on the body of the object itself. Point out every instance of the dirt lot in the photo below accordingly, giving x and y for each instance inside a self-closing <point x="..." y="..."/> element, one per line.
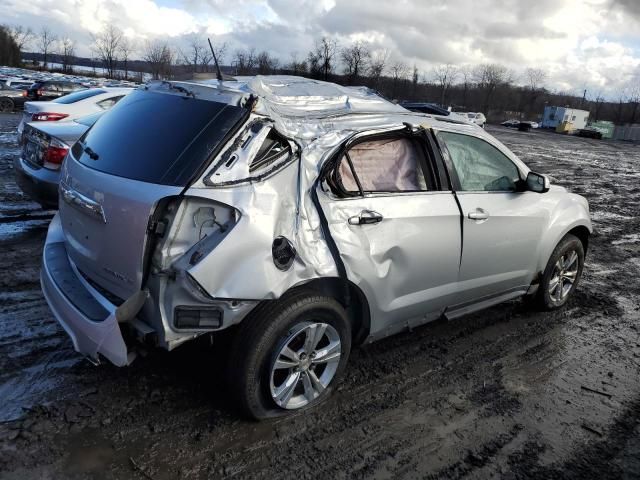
<point x="504" y="393"/>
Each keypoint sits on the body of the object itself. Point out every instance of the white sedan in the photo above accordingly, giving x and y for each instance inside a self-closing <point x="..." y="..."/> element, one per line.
<point x="72" y="106"/>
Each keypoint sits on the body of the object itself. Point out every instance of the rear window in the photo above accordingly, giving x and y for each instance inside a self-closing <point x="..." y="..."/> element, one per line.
<point x="77" y="96"/>
<point x="157" y="137"/>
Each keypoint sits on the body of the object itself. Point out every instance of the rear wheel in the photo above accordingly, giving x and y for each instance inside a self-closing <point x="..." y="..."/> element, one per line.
<point x="562" y="273"/>
<point x="289" y="354"/>
<point x="6" y="105"/>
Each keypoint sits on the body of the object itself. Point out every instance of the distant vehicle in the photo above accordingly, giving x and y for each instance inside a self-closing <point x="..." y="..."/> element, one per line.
<point x="18" y="83"/>
<point x="513" y="123"/>
<point x="37" y="168"/>
<point x="70" y="107"/>
<point x="191" y="224"/>
<point x="589" y="132"/>
<point x="43" y="90"/>
<point x="477" y="118"/>
<point x="10" y="98"/>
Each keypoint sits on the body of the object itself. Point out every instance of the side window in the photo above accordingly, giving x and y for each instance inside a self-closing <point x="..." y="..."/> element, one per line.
<point x="480" y="166"/>
<point x="273" y="148"/>
<point x="107" y="103"/>
<point x="389" y="165"/>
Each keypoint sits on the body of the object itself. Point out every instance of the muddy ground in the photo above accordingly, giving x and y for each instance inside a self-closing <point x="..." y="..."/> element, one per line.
<point x="505" y="393"/>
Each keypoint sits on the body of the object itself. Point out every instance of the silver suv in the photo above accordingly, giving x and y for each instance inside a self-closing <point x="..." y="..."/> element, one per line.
<point x="305" y="217"/>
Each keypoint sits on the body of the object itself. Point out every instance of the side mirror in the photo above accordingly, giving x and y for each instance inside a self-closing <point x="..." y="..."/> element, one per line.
<point x="537" y="182"/>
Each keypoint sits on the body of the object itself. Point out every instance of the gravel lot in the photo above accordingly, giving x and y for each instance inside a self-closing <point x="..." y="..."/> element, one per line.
<point x="504" y="393"/>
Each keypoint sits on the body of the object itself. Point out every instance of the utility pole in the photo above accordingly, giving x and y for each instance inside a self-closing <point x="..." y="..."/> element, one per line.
<point x="584" y="96"/>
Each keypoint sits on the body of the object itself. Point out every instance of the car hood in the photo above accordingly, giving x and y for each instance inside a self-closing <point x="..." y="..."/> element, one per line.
<point x="68" y="132"/>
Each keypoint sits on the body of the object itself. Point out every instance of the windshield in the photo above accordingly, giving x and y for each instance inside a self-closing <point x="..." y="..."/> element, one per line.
<point x="157" y="137"/>
<point x="77" y="96"/>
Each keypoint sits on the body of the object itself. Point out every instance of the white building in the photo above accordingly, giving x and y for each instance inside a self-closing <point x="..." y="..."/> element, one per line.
<point x="553" y="116"/>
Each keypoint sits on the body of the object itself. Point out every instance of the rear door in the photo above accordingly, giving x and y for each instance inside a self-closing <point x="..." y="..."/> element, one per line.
<point x="397" y="231"/>
<point x="502" y="226"/>
<point x="147" y="149"/>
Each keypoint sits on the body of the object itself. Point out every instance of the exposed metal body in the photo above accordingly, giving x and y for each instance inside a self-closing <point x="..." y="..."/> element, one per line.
<point x="433" y="252"/>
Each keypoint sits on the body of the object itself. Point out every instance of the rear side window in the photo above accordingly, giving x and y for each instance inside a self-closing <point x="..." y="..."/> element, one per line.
<point x="385" y="165"/>
<point x="77" y="96"/>
<point x="479" y="165"/>
<point x="157" y="137"/>
<point x="107" y="103"/>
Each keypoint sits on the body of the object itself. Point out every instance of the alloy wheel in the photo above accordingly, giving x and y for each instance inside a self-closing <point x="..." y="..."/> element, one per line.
<point x="565" y="272"/>
<point x="305" y="364"/>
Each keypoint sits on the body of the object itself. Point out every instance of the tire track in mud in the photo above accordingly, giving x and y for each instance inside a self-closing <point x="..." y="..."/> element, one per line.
<point x="493" y="394"/>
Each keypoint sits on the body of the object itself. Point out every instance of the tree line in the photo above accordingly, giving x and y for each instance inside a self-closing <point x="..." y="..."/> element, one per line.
<point x="491" y="88"/>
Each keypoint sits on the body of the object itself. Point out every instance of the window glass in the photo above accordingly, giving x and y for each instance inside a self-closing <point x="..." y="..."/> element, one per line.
<point x="77" y="96"/>
<point x="390" y="165"/>
<point x="107" y="103"/>
<point x="273" y="148"/>
<point x="480" y="166"/>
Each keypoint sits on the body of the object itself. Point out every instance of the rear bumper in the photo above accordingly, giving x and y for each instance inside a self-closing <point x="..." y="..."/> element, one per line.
<point x="39" y="184"/>
<point x="89" y="320"/>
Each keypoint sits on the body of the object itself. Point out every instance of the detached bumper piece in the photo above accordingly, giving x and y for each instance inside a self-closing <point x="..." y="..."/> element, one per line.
<point x="92" y="326"/>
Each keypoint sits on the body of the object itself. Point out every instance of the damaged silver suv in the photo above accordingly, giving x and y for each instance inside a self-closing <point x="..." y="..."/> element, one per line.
<point x="305" y="217"/>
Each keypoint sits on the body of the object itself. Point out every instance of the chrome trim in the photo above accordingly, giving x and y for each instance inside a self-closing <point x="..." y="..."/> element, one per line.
<point x="81" y="202"/>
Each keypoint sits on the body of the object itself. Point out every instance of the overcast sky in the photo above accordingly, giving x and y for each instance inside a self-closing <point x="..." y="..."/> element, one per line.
<point x="593" y="44"/>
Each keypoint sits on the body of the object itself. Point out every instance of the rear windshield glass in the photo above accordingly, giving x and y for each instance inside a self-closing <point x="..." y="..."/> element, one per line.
<point x="89" y="120"/>
<point x="77" y="96"/>
<point x="157" y="137"/>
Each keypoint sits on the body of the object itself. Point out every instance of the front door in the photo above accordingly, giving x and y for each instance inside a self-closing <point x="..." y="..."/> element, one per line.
<point x="502" y="226"/>
<point x="397" y="231"/>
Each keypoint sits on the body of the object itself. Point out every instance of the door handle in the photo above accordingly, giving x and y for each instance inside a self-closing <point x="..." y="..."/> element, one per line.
<point x="366" y="217"/>
<point x="478" y="214"/>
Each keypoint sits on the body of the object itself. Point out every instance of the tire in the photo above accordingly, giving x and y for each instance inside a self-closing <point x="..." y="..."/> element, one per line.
<point x="255" y="378"/>
<point x="554" y="289"/>
<point x="6" y="105"/>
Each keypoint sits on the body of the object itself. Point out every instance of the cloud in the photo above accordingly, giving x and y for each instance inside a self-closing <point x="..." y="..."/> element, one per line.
<point x="591" y="44"/>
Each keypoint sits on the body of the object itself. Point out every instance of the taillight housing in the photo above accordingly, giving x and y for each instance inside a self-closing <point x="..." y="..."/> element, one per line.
<point x="54" y="154"/>
<point x="48" y="116"/>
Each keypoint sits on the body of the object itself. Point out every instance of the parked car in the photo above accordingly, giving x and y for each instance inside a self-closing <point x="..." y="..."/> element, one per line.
<point x="72" y="106"/>
<point x="520" y="124"/>
<point x="43" y="90"/>
<point x="513" y="123"/>
<point x="18" y="83"/>
<point x="44" y="147"/>
<point x="10" y="98"/>
<point x="300" y="219"/>
<point x="477" y="118"/>
<point x="589" y="132"/>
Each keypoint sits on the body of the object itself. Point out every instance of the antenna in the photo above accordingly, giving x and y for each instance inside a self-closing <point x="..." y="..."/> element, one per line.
<point x="218" y="72"/>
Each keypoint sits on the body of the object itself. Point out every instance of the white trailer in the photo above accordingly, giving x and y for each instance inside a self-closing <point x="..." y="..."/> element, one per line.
<point x="553" y="116"/>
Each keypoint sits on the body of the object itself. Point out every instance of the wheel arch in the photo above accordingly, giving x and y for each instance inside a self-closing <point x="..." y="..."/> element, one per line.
<point x="356" y="305"/>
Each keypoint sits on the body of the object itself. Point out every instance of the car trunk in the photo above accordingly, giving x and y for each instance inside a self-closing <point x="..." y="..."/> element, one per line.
<point x="36" y="140"/>
<point x="148" y="148"/>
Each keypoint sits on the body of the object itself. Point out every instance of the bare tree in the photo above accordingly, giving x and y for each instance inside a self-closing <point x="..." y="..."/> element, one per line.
<point x="266" y="63"/>
<point x="67" y="54"/>
<point x="21" y="35"/>
<point x="415" y="78"/>
<point x="206" y="58"/>
<point x="489" y="76"/>
<point x="126" y="49"/>
<point x="634" y="98"/>
<point x="297" y="67"/>
<point x="195" y="52"/>
<point x="377" y="65"/>
<point x="466" y="73"/>
<point x="326" y="51"/>
<point x="398" y="72"/>
<point x="159" y="57"/>
<point x="245" y="61"/>
<point x="46" y="40"/>
<point x="106" y="46"/>
<point x="535" y="78"/>
<point x="444" y="75"/>
<point x="355" y="58"/>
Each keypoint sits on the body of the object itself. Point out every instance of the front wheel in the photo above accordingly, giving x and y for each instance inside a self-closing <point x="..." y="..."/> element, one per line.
<point x="562" y="273"/>
<point x="289" y="354"/>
